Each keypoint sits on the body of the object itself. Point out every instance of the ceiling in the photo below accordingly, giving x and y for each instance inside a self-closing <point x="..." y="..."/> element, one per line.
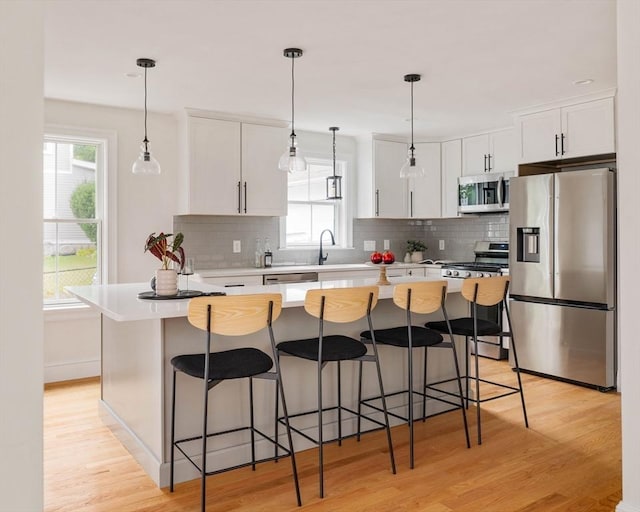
<point x="479" y="59"/>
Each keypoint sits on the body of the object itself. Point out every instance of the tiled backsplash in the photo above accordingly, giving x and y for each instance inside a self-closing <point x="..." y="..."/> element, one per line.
<point x="209" y="239"/>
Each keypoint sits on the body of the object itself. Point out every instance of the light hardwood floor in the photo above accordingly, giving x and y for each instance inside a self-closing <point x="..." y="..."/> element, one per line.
<point x="568" y="460"/>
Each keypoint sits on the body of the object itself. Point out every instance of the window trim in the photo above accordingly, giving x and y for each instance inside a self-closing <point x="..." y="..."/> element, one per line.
<point x="108" y="197"/>
<point x="345" y="162"/>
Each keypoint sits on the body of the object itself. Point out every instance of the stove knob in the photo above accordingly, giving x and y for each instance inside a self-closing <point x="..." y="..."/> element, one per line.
<point x="467" y="274"/>
<point x="447" y="272"/>
<point x="456" y="273"/>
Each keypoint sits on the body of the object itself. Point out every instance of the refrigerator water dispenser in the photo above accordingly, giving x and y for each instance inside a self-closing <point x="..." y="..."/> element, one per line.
<point x="528" y="246"/>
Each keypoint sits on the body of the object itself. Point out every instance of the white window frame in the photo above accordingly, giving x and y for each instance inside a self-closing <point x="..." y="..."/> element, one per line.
<point x="106" y="200"/>
<point x="344" y="210"/>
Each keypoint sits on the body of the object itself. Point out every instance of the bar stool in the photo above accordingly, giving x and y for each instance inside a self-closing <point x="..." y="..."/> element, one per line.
<point x="419" y="298"/>
<point x="338" y="305"/>
<point x="231" y="316"/>
<point x="484" y="291"/>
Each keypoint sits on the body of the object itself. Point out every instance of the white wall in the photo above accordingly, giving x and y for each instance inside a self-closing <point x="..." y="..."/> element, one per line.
<point x="21" y="107"/>
<point x="143" y="204"/>
<point x="628" y="160"/>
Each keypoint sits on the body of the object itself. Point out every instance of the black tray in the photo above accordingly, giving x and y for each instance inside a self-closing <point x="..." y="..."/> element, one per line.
<point x="182" y="294"/>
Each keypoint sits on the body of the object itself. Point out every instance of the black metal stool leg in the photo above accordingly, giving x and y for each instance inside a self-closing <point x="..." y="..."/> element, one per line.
<point x="515" y="359"/>
<point x="466" y="367"/>
<point x="339" y="406"/>
<point x="253" y="435"/>
<point x="424" y="387"/>
<point x="477" y="397"/>
<point x="203" y="488"/>
<point x="294" y="467"/>
<point x="462" y="407"/>
<point x="278" y="384"/>
<point x="384" y="408"/>
<point x="173" y="430"/>
<point x="320" y="441"/>
<point x="410" y="378"/>
<point x="359" y="422"/>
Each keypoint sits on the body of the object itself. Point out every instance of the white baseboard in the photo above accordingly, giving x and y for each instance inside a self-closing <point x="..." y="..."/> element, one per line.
<point x="70" y="371"/>
<point x="625" y="507"/>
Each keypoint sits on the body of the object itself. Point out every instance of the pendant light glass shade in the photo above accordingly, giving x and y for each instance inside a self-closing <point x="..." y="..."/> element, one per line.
<point x="334" y="182"/>
<point x="145" y="163"/>
<point x="292" y="159"/>
<point x="410" y="169"/>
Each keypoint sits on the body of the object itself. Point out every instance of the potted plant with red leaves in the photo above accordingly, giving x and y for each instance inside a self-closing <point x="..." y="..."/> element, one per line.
<point x="167" y="248"/>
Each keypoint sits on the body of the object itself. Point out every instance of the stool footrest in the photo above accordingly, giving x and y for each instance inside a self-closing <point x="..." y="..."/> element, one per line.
<point x="266" y="437"/>
<point x="512" y="390"/>
<point x="380" y="424"/>
<point x="456" y="405"/>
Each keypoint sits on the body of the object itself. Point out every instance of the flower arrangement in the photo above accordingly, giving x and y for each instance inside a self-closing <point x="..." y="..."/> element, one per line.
<point x="164" y="250"/>
<point x="415" y="246"/>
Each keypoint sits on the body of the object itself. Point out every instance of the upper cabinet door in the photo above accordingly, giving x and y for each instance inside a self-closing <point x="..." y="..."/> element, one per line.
<point x="264" y="186"/>
<point x="540" y="136"/>
<point x="390" y="192"/>
<point x="475" y="153"/>
<point x="503" y="151"/>
<point x="424" y="193"/>
<point x="583" y="129"/>
<point x="214" y="166"/>
<point x="451" y="171"/>
<point x="588" y="128"/>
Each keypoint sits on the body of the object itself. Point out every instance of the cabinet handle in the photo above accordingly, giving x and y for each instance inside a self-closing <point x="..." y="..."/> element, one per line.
<point x="489" y="162"/>
<point x="557" y="144"/>
<point x="485" y="163"/>
<point x="411" y="204"/>
<point x="377" y="202"/>
<point x="245" y="197"/>
<point x="239" y="197"/>
<point x="562" y="144"/>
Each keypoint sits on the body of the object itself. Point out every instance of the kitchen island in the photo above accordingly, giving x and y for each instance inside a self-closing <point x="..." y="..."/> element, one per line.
<point x="139" y="338"/>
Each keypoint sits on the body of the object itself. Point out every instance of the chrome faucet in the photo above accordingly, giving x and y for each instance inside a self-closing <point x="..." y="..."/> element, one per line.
<point x="321" y="258"/>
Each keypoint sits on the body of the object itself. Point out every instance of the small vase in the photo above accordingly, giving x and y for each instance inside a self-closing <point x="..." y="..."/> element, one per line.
<point x="416" y="257"/>
<point x="166" y="282"/>
<point x="407" y="257"/>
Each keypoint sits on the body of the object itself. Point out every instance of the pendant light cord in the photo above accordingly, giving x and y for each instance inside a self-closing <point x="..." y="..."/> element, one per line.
<point x="146" y="141"/>
<point x="293" y="87"/>
<point x="412" y="148"/>
<point x="334" y="153"/>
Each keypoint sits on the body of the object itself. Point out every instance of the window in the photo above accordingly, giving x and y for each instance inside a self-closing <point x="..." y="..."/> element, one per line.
<point x="73" y="212"/>
<point x="309" y="211"/>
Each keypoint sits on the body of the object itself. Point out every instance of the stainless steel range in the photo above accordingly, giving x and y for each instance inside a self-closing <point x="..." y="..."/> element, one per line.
<point x="491" y="259"/>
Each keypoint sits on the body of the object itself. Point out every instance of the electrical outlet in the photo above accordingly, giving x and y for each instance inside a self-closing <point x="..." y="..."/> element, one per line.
<point x="441" y="245"/>
<point x="237" y="247"/>
<point x="386" y="245"/>
<point x="369" y="245"/>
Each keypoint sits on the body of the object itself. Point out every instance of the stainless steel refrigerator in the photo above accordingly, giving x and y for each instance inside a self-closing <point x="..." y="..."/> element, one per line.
<point x="563" y="274"/>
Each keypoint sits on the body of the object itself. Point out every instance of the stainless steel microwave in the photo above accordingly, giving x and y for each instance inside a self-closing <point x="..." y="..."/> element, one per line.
<point x="484" y="193"/>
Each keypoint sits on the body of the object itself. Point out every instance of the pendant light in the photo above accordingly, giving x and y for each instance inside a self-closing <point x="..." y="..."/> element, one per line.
<point x="410" y="169"/>
<point x="334" y="183"/>
<point x="292" y="160"/>
<point x="145" y="164"/>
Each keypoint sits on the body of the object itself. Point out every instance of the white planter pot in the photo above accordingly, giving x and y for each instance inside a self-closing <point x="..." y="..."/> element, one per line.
<point x="166" y="282"/>
<point x="416" y="257"/>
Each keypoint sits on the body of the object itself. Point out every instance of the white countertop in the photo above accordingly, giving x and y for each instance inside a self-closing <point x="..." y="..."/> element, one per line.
<point x="288" y="269"/>
<point x="120" y="302"/>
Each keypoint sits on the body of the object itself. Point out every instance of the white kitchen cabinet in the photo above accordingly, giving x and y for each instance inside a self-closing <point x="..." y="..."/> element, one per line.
<point x="578" y="130"/>
<point x="390" y="191"/>
<point x="451" y="171"/>
<point x="233" y="168"/>
<point x="494" y="151"/>
<point x="425" y="193"/>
